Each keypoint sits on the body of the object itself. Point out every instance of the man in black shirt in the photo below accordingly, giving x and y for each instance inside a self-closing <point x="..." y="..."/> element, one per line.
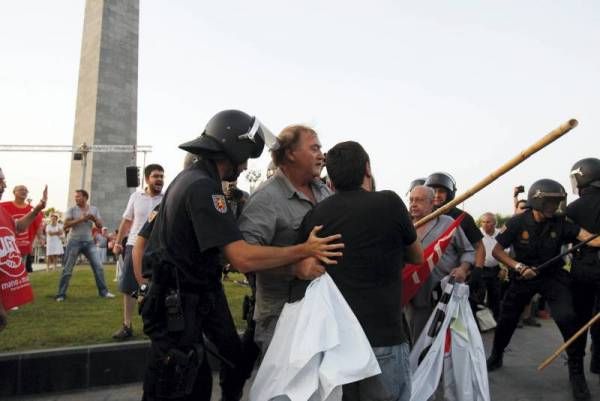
<point x="585" y="271"/>
<point x="379" y="238"/>
<point x="536" y="236"/>
<point x="186" y="298"/>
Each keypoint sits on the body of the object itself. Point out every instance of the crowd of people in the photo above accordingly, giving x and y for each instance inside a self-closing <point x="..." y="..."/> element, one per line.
<point x="297" y="226"/>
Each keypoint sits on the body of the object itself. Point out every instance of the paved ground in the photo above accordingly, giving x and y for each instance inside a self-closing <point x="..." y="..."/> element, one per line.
<point x="518" y="380"/>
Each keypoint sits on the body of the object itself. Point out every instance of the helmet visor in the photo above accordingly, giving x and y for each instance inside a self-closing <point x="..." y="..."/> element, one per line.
<point x="259" y="129"/>
<point x="574" y="185"/>
<point x="574" y="181"/>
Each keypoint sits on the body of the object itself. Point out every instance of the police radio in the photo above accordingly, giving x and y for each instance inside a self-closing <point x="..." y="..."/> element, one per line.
<point x="175" y="319"/>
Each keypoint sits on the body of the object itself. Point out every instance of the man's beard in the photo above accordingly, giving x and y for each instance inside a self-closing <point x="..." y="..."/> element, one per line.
<point x="156" y="188"/>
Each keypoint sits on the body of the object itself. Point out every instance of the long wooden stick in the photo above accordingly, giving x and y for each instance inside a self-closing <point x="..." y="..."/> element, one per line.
<point x="570" y="341"/>
<point x="540" y="144"/>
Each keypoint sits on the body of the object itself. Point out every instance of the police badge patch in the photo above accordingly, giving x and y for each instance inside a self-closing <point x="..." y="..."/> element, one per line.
<point x="220" y="203"/>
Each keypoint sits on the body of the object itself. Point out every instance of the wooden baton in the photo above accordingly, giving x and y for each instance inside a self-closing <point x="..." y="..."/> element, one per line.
<point x="540" y="144"/>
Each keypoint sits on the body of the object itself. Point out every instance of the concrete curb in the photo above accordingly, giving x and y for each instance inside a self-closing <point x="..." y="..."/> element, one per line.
<point x="62" y="369"/>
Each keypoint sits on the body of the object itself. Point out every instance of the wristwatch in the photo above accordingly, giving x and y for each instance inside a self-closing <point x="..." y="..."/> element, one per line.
<point x="143" y="291"/>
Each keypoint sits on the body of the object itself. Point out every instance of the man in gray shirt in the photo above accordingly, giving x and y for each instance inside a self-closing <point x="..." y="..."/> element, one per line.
<point x="80" y="219"/>
<point x="273" y="215"/>
<point x="456" y="260"/>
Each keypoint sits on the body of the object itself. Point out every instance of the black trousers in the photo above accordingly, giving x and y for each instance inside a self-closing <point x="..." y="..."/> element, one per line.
<point x="216" y="324"/>
<point x="585" y="274"/>
<point x="491" y="284"/>
<point x="555" y="286"/>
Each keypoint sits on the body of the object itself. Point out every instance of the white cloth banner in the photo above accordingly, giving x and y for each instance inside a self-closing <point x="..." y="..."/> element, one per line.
<point x="317" y="347"/>
<point x="464" y="367"/>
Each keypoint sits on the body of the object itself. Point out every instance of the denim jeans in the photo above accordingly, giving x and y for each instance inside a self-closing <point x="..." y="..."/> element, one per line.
<point x="393" y="384"/>
<point x="88" y="248"/>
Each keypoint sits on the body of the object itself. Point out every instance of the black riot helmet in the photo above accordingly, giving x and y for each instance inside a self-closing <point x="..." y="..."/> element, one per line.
<point x="443" y="180"/>
<point x="585" y="173"/>
<point x="415" y="183"/>
<point x="547" y="196"/>
<point x="233" y="135"/>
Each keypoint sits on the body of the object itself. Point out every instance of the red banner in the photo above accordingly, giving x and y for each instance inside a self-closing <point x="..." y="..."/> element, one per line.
<point x="414" y="276"/>
<point x="15" y="289"/>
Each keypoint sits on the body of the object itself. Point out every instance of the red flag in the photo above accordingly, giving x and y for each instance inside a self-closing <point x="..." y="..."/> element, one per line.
<point x="15" y="289"/>
<point x="414" y="276"/>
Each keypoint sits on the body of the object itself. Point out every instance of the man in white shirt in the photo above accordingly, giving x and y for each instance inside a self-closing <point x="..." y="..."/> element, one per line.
<point x="139" y="207"/>
<point x="489" y="276"/>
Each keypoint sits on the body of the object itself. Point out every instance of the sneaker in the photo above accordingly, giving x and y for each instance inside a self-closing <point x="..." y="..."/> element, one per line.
<point x="123" y="333"/>
<point x="59" y="299"/>
<point x="108" y="295"/>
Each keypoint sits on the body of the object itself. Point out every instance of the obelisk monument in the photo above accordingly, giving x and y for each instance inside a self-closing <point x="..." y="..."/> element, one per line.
<point x="106" y="111"/>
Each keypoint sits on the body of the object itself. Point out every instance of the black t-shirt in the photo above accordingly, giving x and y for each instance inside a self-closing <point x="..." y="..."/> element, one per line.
<point x="535" y="243"/>
<point x="468" y="225"/>
<point x="192" y="225"/>
<point x="585" y="212"/>
<point x="376" y="229"/>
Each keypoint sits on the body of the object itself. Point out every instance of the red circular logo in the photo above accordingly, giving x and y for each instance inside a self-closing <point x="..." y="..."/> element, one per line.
<point x="10" y="257"/>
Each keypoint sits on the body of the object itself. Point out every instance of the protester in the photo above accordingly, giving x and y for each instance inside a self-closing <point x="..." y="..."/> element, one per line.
<point x="273" y="214"/>
<point x="54" y="244"/>
<point x="18" y="208"/>
<point x="585" y="270"/>
<point x="140" y="205"/>
<point x="457" y="259"/>
<point x="80" y="219"/>
<point x="9" y="228"/>
<point x="379" y="238"/>
<point x="536" y="236"/>
<point x="186" y="298"/>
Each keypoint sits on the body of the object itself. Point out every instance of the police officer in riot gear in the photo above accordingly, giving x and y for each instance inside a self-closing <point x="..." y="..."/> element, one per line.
<point x="536" y="236"/>
<point x="186" y="299"/>
<point x="585" y="270"/>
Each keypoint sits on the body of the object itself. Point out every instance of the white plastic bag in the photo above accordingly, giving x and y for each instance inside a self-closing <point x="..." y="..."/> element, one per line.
<point x="317" y="347"/>
<point x="464" y="366"/>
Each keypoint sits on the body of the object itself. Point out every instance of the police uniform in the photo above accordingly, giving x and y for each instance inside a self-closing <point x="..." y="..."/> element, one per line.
<point x="585" y="270"/>
<point x="534" y="243"/>
<point x="193" y="223"/>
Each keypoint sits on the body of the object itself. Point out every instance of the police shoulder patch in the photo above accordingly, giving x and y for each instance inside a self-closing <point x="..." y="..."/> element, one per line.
<point x="153" y="214"/>
<point x="220" y="203"/>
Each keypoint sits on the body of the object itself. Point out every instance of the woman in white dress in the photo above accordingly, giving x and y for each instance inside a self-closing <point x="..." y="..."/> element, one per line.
<point x="54" y="245"/>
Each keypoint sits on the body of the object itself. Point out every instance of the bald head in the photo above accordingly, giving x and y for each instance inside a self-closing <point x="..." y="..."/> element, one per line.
<point x="420" y="202"/>
<point x="20" y="192"/>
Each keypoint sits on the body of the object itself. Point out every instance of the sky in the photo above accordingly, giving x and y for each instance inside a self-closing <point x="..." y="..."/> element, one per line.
<point x="433" y="86"/>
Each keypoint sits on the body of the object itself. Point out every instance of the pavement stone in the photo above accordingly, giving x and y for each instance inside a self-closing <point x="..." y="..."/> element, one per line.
<point x="518" y="380"/>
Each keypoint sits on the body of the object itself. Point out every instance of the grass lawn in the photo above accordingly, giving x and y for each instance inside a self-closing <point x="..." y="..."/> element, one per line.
<point x="84" y="318"/>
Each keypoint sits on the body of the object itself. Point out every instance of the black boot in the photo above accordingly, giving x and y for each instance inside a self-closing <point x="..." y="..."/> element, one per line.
<point x="578" y="383"/>
<point x="494" y="361"/>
